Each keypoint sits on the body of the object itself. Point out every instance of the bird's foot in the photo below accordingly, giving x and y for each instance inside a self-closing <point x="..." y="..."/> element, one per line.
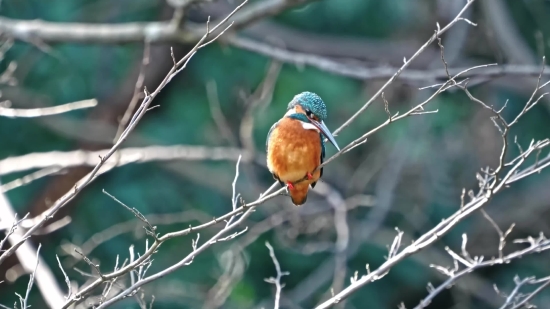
<point x="290" y="185"/>
<point x="309" y="176"/>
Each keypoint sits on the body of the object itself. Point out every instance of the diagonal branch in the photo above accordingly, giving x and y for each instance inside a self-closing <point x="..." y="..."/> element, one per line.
<point x="437" y="34"/>
<point x="138" y="115"/>
<point x="42" y="274"/>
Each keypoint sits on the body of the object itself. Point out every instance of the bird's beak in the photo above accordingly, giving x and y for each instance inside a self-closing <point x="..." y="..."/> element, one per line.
<point x="326" y="132"/>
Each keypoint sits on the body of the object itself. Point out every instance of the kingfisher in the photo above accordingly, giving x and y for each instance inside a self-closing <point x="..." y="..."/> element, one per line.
<point x="295" y="145"/>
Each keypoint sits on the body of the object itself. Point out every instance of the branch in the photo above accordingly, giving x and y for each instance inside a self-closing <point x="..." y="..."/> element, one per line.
<point x="161" y="32"/>
<point x="45" y="280"/>
<point x="276" y="280"/>
<point x="245" y="210"/>
<point x="31" y="279"/>
<point x="489" y="185"/>
<point x="151" y="32"/>
<point x="438" y="33"/>
<point x="362" y="72"/>
<point x="262" y="9"/>
<point x="529" y="296"/>
<point x="46" y="111"/>
<point x="124" y="156"/>
<point x="143" y="108"/>
<point x="230" y="225"/>
<point x="445" y="226"/>
<point x="137" y="91"/>
<point x="536" y="246"/>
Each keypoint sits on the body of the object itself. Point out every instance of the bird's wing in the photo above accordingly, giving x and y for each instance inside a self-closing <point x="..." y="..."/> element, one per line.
<point x="269" y="134"/>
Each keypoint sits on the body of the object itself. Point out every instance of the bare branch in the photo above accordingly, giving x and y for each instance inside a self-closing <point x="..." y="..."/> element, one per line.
<point x="276" y="280"/>
<point x="532" y="294"/>
<point x="541" y="245"/>
<point x="168" y="270"/>
<point x="488" y="187"/>
<point x="31" y="279"/>
<point x="44" y="277"/>
<point x="140" y="112"/>
<point x="363" y="72"/>
<point x="405" y="65"/>
<point x="149" y="229"/>
<point x="67" y="281"/>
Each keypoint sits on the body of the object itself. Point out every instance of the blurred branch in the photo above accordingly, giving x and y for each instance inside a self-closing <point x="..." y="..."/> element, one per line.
<point x="437" y="34"/>
<point x="48" y="171"/>
<point x="506" y="32"/>
<point x="360" y="71"/>
<point x="151" y="32"/>
<point x="45" y="280"/>
<point x="137" y="91"/>
<point x="143" y="108"/>
<point x="46" y="111"/>
<point x="124" y="156"/>
<point x="157" y="32"/>
<point x="132" y="226"/>
<point x="261" y="9"/>
<point x="258" y="100"/>
<point x="340" y="207"/>
<point x="217" y="113"/>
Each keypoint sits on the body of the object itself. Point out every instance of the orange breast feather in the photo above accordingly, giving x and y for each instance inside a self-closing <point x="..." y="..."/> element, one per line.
<point x="293" y="152"/>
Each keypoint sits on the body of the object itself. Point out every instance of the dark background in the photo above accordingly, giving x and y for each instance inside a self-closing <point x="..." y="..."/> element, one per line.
<point x="409" y="175"/>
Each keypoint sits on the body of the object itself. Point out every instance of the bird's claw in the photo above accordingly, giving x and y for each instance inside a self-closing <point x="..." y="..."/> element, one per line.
<point x="309" y="176"/>
<point x="290" y="185"/>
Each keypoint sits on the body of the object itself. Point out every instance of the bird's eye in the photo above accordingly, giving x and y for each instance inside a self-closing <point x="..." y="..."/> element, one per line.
<point x="308" y="113"/>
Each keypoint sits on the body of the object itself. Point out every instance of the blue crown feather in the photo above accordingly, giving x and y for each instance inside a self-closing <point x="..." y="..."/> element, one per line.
<point x="311" y="101"/>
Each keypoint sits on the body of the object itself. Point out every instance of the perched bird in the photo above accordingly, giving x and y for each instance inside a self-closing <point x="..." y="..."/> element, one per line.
<point x="295" y="145"/>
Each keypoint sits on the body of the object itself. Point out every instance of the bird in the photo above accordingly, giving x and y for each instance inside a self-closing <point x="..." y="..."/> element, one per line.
<point x="295" y="145"/>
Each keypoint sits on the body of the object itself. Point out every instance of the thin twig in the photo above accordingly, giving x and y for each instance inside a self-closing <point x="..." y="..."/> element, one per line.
<point x="276" y="280"/>
<point x="69" y="292"/>
<point x="31" y="279"/>
<point x="140" y="112"/>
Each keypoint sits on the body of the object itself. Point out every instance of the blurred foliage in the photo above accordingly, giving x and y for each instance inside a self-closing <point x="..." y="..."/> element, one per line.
<point x="440" y="154"/>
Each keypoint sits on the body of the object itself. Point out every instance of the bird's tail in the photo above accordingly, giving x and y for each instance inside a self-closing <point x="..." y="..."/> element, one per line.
<point x="299" y="193"/>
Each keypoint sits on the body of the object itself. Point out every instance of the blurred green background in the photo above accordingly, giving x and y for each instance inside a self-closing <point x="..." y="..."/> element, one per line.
<point x="408" y="175"/>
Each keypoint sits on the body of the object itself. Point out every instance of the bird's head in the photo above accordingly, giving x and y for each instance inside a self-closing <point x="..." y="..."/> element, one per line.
<point x="315" y="110"/>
